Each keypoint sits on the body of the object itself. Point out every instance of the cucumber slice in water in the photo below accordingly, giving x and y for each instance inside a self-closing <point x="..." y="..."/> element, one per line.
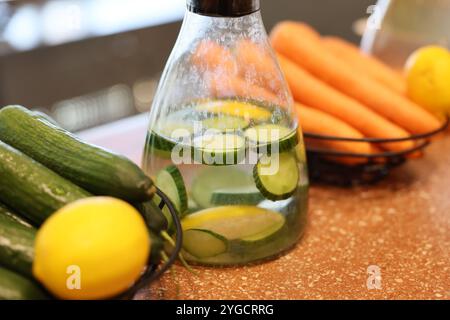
<point x="236" y="222"/>
<point x="265" y="136"/>
<point x="203" y="243"/>
<point x="219" y="149"/>
<point x="277" y="175"/>
<point x="168" y="133"/>
<point x="175" y="130"/>
<point x="160" y="145"/>
<point x="237" y="196"/>
<point x="225" y="123"/>
<point x="218" y="178"/>
<point x="170" y="181"/>
<point x="157" y="146"/>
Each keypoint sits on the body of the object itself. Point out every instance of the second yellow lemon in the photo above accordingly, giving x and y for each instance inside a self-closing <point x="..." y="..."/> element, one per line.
<point x="428" y="78"/>
<point x="94" y="248"/>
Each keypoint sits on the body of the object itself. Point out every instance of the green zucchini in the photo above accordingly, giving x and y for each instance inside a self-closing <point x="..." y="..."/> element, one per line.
<point x="16" y="287"/>
<point x="16" y="243"/>
<point x="277" y="175"/>
<point x="92" y="168"/>
<point x="32" y="189"/>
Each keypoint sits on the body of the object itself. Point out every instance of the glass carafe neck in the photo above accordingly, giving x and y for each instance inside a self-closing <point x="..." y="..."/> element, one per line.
<point x="223" y="8"/>
<point x="223" y="30"/>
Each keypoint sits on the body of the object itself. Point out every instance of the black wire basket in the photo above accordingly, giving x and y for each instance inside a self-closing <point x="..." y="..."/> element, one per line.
<point x="153" y="272"/>
<point x="373" y="168"/>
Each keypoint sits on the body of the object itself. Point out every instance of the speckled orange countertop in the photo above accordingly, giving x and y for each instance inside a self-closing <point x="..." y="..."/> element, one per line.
<point x="401" y="225"/>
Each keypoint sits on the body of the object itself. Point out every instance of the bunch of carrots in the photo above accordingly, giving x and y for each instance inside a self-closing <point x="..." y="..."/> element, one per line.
<point x="338" y="90"/>
<point x="343" y="92"/>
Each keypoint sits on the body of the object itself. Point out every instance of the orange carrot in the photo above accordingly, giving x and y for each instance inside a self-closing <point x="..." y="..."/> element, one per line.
<point x="365" y="64"/>
<point x="319" y="122"/>
<point x="304" y="29"/>
<point x="288" y="40"/>
<point x="255" y="63"/>
<point x="317" y="94"/>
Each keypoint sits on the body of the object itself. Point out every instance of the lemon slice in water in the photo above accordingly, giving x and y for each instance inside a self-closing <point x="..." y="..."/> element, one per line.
<point x="236" y="108"/>
<point x="235" y="222"/>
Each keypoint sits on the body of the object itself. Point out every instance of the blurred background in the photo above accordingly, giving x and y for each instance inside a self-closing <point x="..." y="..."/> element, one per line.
<point x="89" y="62"/>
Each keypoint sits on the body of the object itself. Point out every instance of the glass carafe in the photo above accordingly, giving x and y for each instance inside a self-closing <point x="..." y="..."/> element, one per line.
<point x="223" y="142"/>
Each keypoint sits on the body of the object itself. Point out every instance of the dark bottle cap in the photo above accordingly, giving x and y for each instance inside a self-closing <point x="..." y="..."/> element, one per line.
<point x="223" y="8"/>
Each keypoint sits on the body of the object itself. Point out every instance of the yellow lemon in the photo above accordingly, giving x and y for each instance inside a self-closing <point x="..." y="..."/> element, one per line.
<point x="94" y="248"/>
<point x="428" y="78"/>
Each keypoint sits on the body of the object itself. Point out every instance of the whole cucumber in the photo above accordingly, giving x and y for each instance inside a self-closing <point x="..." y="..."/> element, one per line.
<point x="157" y="247"/>
<point x="46" y="117"/>
<point x="16" y="243"/>
<point x="16" y="287"/>
<point x="32" y="189"/>
<point x="8" y="214"/>
<point x="153" y="216"/>
<point x="95" y="169"/>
